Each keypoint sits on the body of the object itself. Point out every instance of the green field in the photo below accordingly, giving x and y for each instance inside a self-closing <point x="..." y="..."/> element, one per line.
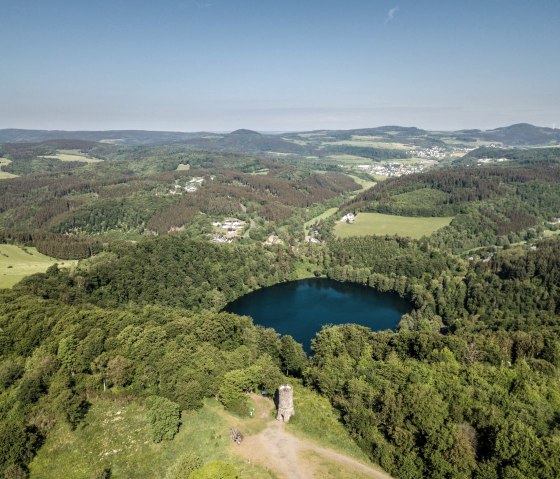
<point x="73" y="155"/>
<point x="4" y="174"/>
<point x="322" y="216"/>
<point x="365" y="184"/>
<point x="379" y="224"/>
<point x="347" y="160"/>
<point x="16" y="263"/>
<point x="117" y="436"/>
<point x="317" y="420"/>
<point x="373" y="142"/>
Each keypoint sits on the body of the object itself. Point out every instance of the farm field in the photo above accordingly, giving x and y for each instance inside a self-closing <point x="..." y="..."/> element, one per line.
<point x="348" y="160"/>
<point x="372" y="142"/>
<point x="16" y="263"/>
<point x="322" y="216"/>
<point x="73" y="155"/>
<point x="4" y="174"/>
<point x="380" y="224"/>
<point x="365" y="184"/>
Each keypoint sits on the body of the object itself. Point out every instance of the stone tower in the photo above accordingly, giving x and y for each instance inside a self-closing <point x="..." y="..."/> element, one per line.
<point x="285" y="403"/>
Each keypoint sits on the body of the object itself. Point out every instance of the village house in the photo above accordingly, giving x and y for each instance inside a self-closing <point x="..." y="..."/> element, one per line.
<point x="311" y="240"/>
<point x="273" y="239"/>
<point x="221" y="239"/>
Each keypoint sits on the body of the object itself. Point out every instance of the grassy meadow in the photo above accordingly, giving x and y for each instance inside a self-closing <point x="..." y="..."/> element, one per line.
<point x="374" y="142"/>
<point x="4" y="174"/>
<point x="322" y="216"/>
<point x="380" y="224"/>
<point x="16" y="263"/>
<point x="317" y="420"/>
<point x="116" y="435"/>
<point x="347" y="160"/>
<point x="365" y="184"/>
<point x="73" y="155"/>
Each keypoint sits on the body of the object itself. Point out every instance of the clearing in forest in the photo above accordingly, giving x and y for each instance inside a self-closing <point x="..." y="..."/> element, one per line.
<point x="116" y="435"/>
<point x="379" y="224"/>
<point x="73" y="155"/>
<point x="16" y="263"/>
<point x="4" y="174"/>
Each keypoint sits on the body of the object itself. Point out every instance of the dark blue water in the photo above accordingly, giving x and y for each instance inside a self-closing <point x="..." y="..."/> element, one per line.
<point x="301" y="308"/>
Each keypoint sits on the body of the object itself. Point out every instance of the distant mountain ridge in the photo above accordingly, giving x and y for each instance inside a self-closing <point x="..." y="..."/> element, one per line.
<point x="523" y="134"/>
<point x="244" y="131"/>
<point x="520" y="134"/>
<point x="129" y="137"/>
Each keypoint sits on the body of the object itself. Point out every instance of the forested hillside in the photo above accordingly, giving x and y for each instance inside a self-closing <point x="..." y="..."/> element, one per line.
<point x="483" y="345"/>
<point x="169" y="357"/>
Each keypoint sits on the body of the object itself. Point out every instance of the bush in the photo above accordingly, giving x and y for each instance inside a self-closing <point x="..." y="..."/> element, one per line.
<point x="10" y="371"/>
<point x="186" y="464"/>
<point x="164" y="418"/>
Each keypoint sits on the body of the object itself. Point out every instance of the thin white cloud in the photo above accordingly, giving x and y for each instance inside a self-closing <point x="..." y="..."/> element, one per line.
<point x="391" y="14"/>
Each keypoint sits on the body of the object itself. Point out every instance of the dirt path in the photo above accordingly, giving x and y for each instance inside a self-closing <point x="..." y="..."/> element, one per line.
<point x="283" y="453"/>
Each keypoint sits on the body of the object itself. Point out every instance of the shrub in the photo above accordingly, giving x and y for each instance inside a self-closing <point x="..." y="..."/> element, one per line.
<point x="186" y="464"/>
<point x="215" y="470"/>
<point x="164" y="418"/>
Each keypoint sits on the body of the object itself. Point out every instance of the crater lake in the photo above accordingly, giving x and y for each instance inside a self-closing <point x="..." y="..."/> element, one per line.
<point x="301" y="308"/>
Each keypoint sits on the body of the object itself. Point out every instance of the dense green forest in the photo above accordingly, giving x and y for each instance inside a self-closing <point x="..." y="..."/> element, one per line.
<point x="53" y="354"/>
<point x="481" y="334"/>
<point x="467" y="387"/>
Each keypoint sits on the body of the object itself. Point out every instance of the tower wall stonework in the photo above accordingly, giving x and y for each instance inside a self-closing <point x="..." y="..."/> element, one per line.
<point x="285" y="403"/>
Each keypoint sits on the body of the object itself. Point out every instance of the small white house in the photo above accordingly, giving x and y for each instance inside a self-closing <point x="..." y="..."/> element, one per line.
<point x="311" y="240"/>
<point x="348" y="218"/>
<point x="273" y="239"/>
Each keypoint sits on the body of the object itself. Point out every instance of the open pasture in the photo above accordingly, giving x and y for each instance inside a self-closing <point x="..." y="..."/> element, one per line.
<point x="73" y="155"/>
<point x="379" y="224"/>
<point x="373" y="142"/>
<point x="347" y="160"/>
<point x="4" y="174"/>
<point x="16" y="263"/>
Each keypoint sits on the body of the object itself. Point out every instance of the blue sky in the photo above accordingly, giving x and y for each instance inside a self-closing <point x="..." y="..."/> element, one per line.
<point x="278" y="65"/>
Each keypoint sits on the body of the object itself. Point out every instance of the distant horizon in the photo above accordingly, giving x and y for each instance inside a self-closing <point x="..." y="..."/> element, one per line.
<point x="271" y="132"/>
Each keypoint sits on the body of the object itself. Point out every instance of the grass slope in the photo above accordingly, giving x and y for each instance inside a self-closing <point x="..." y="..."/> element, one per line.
<point x="322" y="216"/>
<point x="316" y="419"/>
<point x="4" y="174"/>
<point x="379" y="224"/>
<point x="117" y="436"/>
<point x="16" y="263"/>
<point x="73" y="155"/>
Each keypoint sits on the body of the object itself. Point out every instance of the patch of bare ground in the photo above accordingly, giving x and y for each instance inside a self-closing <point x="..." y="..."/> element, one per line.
<point x="291" y="457"/>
